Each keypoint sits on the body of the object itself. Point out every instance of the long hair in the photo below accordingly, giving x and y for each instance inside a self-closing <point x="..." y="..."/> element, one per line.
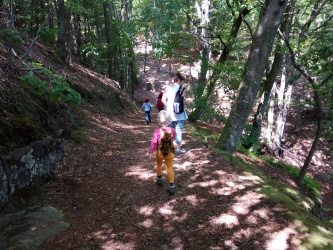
<point x="166" y="145"/>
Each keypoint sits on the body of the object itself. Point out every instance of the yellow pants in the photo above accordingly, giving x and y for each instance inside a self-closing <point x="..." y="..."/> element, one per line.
<point x="168" y="163"/>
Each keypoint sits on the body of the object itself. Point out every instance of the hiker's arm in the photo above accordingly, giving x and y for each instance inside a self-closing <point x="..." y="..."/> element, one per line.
<point x="154" y="141"/>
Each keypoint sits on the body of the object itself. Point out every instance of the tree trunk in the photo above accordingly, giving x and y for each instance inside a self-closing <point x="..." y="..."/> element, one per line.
<point x="273" y="73"/>
<point x="317" y="138"/>
<point x="209" y="87"/>
<point x="107" y="33"/>
<point x="62" y="31"/>
<point x="146" y="54"/>
<point x="269" y="21"/>
<point x="11" y="21"/>
<point x="70" y="35"/>
<point x="318" y="107"/>
<point x="283" y="105"/>
<point x="270" y="118"/>
<point x="205" y="51"/>
<point x="78" y="35"/>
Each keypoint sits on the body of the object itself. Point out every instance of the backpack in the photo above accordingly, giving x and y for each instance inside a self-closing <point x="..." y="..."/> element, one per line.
<point x="178" y="103"/>
<point x="159" y="104"/>
<point x="166" y="145"/>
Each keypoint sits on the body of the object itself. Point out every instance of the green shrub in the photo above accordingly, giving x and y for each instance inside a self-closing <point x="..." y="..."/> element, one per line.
<point x="79" y="137"/>
<point x="53" y="85"/>
<point x="249" y="138"/>
<point x="12" y="36"/>
<point x="47" y="34"/>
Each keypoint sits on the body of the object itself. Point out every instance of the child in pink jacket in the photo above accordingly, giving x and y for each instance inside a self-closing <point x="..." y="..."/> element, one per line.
<point x="163" y="143"/>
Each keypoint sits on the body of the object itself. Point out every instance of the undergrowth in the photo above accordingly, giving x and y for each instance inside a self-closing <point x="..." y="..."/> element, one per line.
<point x="309" y="183"/>
<point x="302" y="210"/>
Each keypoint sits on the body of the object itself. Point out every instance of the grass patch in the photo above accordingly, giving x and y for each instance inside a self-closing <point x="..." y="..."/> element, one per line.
<point x="202" y="135"/>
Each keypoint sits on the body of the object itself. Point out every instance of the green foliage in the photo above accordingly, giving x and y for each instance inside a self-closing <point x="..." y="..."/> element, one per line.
<point x="328" y="132"/>
<point x="79" y="137"/>
<point x="163" y="19"/>
<point x="47" y="34"/>
<point x="249" y="138"/>
<point x="231" y="73"/>
<point x="12" y="36"/>
<point x="210" y="110"/>
<point x="204" y="136"/>
<point x="54" y="85"/>
<point x="309" y="183"/>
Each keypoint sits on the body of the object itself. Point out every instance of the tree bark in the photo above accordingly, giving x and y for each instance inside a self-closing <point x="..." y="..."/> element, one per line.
<point x="205" y="51"/>
<point x="62" y="31"/>
<point x="284" y="97"/>
<point x="269" y="21"/>
<point x="209" y="87"/>
<point x="270" y="118"/>
<point x="317" y="137"/>
<point x="318" y="108"/>
<point x="107" y="33"/>
<point x="10" y="46"/>
<point x="271" y="77"/>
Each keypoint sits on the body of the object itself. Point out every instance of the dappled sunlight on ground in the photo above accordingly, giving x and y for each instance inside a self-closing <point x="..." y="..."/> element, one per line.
<point x="193" y="200"/>
<point x="227" y="220"/>
<point x="111" y="199"/>
<point x="215" y="206"/>
<point x="279" y="239"/>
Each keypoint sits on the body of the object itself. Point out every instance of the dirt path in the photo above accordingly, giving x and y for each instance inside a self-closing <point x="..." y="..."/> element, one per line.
<point x="106" y="190"/>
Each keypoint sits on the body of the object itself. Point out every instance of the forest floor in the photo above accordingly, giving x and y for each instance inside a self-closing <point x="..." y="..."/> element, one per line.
<point x="106" y="190"/>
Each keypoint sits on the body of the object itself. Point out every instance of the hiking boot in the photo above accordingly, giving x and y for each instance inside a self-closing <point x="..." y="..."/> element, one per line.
<point x="180" y="151"/>
<point x="159" y="181"/>
<point x="171" y="190"/>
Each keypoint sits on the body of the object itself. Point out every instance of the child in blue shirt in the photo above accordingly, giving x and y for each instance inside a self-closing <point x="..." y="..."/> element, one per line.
<point x="146" y="107"/>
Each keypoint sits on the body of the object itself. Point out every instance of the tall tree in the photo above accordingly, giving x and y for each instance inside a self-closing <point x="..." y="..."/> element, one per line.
<point x="228" y="45"/>
<point x="267" y="91"/>
<point x="62" y="31"/>
<point x="107" y="35"/>
<point x="11" y="22"/>
<point x="203" y="13"/>
<point x="269" y="21"/>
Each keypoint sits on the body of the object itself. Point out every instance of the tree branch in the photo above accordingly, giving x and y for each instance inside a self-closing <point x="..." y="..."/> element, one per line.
<point x="301" y="69"/>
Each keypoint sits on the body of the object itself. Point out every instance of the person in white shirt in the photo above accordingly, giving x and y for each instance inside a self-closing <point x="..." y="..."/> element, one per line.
<point x="178" y="120"/>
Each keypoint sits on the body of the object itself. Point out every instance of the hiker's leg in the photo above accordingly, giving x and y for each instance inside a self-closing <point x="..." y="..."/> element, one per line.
<point x="147" y="117"/>
<point x="178" y="126"/>
<point x="169" y="167"/>
<point x="159" y="162"/>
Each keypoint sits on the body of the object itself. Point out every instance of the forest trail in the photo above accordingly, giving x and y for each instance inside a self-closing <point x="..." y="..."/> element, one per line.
<point x="106" y="190"/>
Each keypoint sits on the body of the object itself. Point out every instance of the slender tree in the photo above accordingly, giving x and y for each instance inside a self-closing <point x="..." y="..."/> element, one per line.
<point x="203" y="13"/>
<point x="107" y="35"/>
<point x="269" y="21"/>
<point x="210" y="85"/>
<point x="62" y="31"/>
<point x="267" y="92"/>
<point x="10" y="45"/>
